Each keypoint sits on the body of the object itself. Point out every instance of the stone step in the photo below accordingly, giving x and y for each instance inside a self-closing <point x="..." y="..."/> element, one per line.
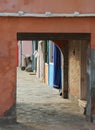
<point x="82" y="104"/>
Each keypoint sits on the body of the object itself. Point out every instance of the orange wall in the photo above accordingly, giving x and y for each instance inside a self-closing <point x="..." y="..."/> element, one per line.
<point x="58" y="25"/>
<point x="9" y="27"/>
<point x="57" y="6"/>
<point x="46" y="73"/>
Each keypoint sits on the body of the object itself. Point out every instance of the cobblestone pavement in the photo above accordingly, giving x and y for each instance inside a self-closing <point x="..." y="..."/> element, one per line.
<point x="40" y="107"/>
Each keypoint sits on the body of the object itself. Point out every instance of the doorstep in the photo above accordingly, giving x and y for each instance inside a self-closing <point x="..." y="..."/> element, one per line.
<point x="82" y="104"/>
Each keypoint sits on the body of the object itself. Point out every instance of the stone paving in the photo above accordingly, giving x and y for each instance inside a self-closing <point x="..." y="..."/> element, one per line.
<point x="39" y="107"/>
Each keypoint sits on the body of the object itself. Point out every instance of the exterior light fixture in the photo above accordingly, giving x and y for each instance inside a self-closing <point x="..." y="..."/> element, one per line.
<point x="47" y="13"/>
<point x="76" y="13"/>
<point x="20" y="13"/>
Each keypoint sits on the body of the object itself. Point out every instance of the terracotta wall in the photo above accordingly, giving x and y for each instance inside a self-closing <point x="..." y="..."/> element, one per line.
<point x="64" y="25"/>
<point x="9" y="26"/>
<point x="57" y="6"/>
<point x="7" y="75"/>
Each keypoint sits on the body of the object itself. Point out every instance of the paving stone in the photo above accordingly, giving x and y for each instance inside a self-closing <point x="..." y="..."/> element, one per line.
<point x="39" y="107"/>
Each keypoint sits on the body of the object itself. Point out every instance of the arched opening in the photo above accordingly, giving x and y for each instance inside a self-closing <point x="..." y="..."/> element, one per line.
<point x="46" y="64"/>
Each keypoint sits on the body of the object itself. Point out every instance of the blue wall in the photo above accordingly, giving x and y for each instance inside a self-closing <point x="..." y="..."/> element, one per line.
<point x="51" y="73"/>
<point x="50" y="68"/>
<point x="56" y="55"/>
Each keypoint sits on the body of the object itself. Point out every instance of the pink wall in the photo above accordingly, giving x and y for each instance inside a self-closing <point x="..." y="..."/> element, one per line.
<point x="26" y="50"/>
<point x="57" y="6"/>
<point x="27" y="47"/>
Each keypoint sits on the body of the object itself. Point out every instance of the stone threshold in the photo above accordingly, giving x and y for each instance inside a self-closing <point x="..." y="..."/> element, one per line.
<point x="82" y="105"/>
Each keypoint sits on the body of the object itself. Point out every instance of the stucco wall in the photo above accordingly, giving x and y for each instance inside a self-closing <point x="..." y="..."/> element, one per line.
<point x="50" y="74"/>
<point x="46" y="73"/>
<point x="9" y="26"/>
<point x="57" y="6"/>
<point x="26" y="50"/>
<point x="7" y="76"/>
<point x="74" y="69"/>
<point x="64" y="25"/>
<point x="27" y="47"/>
<point x="93" y="84"/>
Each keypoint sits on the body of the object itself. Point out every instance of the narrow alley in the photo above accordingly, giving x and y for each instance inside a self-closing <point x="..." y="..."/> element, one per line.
<point x="41" y="104"/>
<point x="55" y="39"/>
<point x="39" y="107"/>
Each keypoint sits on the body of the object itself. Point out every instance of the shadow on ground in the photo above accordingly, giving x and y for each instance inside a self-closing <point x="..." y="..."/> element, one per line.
<point x="47" y="116"/>
<point x="18" y="126"/>
<point x="47" y="113"/>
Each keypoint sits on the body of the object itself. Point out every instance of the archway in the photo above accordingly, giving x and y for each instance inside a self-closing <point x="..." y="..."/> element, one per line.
<point x="29" y="88"/>
<point x="31" y="26"/>
<point x="64" y="41"/>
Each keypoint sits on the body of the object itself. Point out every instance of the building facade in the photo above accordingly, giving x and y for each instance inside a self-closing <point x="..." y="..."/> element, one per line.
<point x="70" y="25"/>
